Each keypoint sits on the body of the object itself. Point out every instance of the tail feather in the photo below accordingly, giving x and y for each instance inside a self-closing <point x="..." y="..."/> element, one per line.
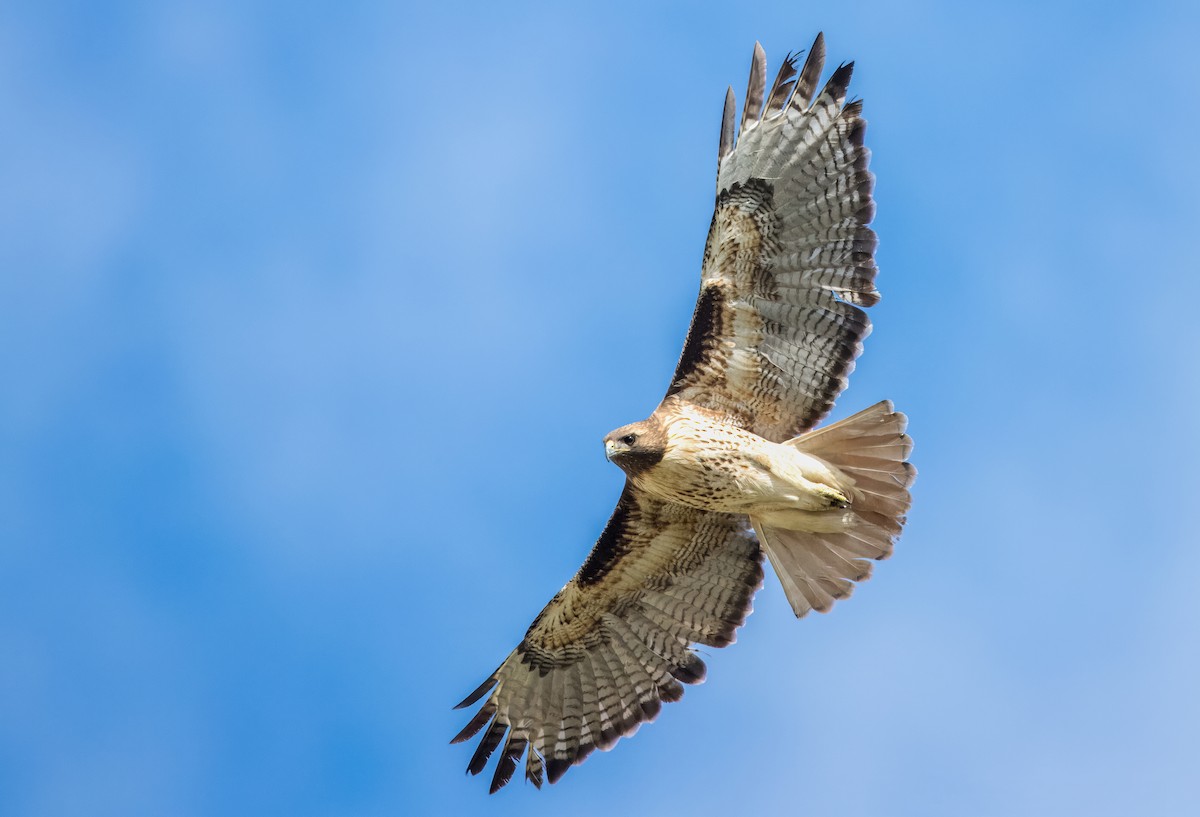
<point x="871" y="449"/>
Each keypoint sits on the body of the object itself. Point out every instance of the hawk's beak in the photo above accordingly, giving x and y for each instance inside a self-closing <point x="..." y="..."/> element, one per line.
<point x="614" y="448"/>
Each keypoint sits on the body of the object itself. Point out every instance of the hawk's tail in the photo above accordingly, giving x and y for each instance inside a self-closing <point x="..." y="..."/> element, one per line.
<point x="816" y="568"/>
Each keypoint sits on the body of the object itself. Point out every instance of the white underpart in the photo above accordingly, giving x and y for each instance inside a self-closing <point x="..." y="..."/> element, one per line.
<point x="724" y="468"/>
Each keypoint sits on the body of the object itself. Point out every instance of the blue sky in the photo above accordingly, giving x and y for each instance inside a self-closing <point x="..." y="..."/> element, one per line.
<point x="312" y="319"/>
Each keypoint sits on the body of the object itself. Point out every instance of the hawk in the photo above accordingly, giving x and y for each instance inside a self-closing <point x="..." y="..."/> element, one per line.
<point x="729" y="466"/>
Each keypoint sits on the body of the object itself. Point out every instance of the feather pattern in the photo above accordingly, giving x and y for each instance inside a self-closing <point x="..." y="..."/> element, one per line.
<point x="615" y="642"/>
<point x="752" y="110"/>
<point x="789" y="261"/>
<point x="806" y="85"/>
<point x="781" y="91"/>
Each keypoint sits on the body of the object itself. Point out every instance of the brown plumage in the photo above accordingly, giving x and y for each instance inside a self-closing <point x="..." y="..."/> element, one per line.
<point x="728" y="465"/>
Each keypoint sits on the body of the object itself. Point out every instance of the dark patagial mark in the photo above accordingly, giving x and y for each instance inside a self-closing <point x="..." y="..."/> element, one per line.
<point x="755" y="198"/>
<point x="706" y="324"/>
<point x="613" y="542"/>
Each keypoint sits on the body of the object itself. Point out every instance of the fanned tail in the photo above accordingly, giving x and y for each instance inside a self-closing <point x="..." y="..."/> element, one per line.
<point x="817" y="568"/>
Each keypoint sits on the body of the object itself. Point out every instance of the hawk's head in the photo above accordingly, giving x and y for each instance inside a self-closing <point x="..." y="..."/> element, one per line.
<point x="637" y="447"/>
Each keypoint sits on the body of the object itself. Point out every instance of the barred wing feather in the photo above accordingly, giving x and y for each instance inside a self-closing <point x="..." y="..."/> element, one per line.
<point x="789" y="259"/>
<point x="615" y="642"/>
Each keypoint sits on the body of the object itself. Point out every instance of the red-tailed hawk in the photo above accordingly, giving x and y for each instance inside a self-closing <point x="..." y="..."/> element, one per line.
<point x="728" y="466"/>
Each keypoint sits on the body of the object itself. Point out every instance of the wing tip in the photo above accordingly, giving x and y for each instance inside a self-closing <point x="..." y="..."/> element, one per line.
<point x="728" y="125"/>
<point x="487" y="745"/>
<point x="556" y="767"/>
<point x="806" y="83"/>
<point x="839" y="82"/>
<point x="478" y="693"/>
<point x="692" y="670"/>
<point x="475" y="724"/>
<point x="784" y="85"/>
<point x="513" y="750"/>
<point x="753" y="104"/>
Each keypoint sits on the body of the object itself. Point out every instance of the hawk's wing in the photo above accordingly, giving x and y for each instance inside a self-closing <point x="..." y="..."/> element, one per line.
<point x="614" y="643"/>
<point x="789" y="258"/>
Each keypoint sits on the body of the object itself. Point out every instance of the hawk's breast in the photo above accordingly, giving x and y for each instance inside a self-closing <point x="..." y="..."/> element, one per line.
<point x="709" y="463"/>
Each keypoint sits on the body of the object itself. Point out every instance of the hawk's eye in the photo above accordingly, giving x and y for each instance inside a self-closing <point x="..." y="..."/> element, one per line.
<point x="629" y="439"/>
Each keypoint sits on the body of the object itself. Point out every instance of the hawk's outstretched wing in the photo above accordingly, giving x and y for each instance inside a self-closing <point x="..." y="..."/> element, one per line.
<point x="789" y="258"/>
<point x="614" y="643"/>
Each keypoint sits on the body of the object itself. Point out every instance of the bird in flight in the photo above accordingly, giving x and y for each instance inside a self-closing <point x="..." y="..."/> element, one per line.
<point x="730" y="465"/>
